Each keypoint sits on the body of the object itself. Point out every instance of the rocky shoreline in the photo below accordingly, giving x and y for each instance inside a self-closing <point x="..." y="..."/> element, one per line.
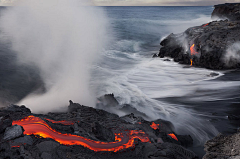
<point x="223" y="147"/>
<point x="230" y="11"/>
<point x="214" y="45"/>
<point x="102" y="135"/>
<point x="85" y="132"/>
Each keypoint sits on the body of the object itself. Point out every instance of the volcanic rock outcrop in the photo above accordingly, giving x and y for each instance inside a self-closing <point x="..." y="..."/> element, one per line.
<point x="230" y="11"/>
<point x="215" y="45"/>
<point x="85" y="132"/>
<point x="223" y="147"/>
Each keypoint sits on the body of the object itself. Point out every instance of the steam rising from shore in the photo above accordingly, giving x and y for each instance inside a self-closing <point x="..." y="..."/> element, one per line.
<point x="62" y="38"/>
<point x="232" y="55"/>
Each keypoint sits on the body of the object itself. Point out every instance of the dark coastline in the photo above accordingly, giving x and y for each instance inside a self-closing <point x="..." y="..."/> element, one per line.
<point x="94" y="124"/>
<point x="99" y="125"/>
<point x="208" y="46"/>
<point x="216" y="112"/>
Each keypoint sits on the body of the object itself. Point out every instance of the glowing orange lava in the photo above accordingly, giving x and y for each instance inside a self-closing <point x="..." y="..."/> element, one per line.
<point x="36" y="126"/>
<point x="193" y="51"/>
<point x="173" y="136"/>
<point x="205" y="25"/>
<point x="154" y="126"/>
<point x="16" y="146"/>
<point x="61" y="122"/>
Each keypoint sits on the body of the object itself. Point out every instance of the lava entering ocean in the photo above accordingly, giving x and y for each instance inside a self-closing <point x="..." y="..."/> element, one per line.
<point x="193" y="52"/>
<point x="191" y="61"/>
<point x="36" y="126"/>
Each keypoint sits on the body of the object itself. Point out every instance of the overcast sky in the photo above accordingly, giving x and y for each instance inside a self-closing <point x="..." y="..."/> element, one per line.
<point x="149" y="2"/>
<point x="162" y="2"/>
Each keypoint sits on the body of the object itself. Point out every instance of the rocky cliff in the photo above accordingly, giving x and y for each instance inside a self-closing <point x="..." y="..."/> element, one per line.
<point x="223" y="147"/>
<point x="230" y="11"/>
<point x="214" y="45"/>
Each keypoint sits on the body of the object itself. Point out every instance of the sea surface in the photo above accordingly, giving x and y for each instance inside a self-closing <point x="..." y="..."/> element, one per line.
<point x="194" y="101"/>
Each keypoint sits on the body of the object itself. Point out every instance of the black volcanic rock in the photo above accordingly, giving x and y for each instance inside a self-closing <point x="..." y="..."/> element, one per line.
<point x="47" y="146"/>
<point x="213" y="42"/>
<point x="15" y="112"/>
<point x="185" y="140"/>
<point x="108" y="100"/>
<point x="215" y="45"/>
<point x="230" y="11"/>
<point x="73" y="106"/>
<point x="102" y="133"/>
<point x="155" y="55"/>
<point x="213" y="74"/>
<point x="223" y="147"/>
<point x="4" y="123"/>
<point x="109" y="103"/>
<point x="13" y="132"/>
<point x="21" y="141"/>
<point x="96" y="125"/>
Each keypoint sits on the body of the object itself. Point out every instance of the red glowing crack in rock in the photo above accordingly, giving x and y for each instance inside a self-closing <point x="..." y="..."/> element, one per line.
<point x="156" y="126"/>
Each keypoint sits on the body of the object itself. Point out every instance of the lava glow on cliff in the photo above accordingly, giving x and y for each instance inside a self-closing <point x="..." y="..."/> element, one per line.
<point x="193" y="52"/>
<point x="192" y="49"/>
<point x="173" y="136"/>
<point x="156" y="126"/>
<point x="205" y="25"/>
<point x="36" y="126"/>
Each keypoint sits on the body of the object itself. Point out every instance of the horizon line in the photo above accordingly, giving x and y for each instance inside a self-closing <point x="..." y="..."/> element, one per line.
<point x="131" y="6"/>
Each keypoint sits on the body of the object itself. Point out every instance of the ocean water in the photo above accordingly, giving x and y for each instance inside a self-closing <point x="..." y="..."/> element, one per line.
<point x="196" y="103"/>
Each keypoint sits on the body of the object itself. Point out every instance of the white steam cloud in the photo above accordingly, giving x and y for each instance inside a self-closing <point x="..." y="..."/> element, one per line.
<point x="179" y="26"/>
<point x="62" y="38"/>
<point x="232" y="55"/>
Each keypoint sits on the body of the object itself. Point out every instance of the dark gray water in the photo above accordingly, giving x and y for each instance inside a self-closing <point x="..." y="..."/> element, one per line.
<point x="196" y="103"/>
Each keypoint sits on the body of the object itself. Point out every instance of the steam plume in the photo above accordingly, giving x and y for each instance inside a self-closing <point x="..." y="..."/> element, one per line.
<point x="62" y="38"/>
<point x="232" y="55"/>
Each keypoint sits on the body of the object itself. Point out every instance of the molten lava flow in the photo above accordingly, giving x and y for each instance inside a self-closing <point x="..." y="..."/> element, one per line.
<point x="154" y="126"/>
<point x="16" y="146"/>
<point x="205" y="25"/>
<point x="173" y="136"/>
<point x="36" y="126"/>
<point x="192" y="49"/>
<point x="193" y="52"/>
<point x="64" y="122"/>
